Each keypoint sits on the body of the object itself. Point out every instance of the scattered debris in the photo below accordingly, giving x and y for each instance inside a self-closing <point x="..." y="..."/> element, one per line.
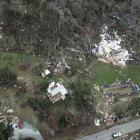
<point x="109" y="49"/>
<point x="119" y="89"/>
<point x="51" y="68"/>
<point x="108" y="120"/>
<point x="97" y="87"/>
<point x="10" y="111"/>
<point x="24" y="130"/>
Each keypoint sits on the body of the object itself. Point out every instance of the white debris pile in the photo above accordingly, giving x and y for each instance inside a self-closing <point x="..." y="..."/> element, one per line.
<point x="10" y="111"/>
<point x="27" y="131"/>
<point x="97" y="122"/>
<point x="109" y="49"/>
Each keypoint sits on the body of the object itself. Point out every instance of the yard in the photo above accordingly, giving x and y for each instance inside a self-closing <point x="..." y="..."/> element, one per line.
<point x="81" y="97"/>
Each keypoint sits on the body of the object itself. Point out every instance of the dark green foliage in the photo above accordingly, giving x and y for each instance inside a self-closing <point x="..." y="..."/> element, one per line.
<point x="38" y="69"/>
<point x="22" y="91"/>
<point x="50" y="19"/>
<point x="7" y="78"/>
<point x="135" y="106"/>
<point x="35" y="3"/>
<point x="34" y="103"/>
<point x="43" y="86"/>
<point x="39" y="104"/>
<point x="10" y="19"/>
<point x="63" y="121"/>
<point x="128" y="109"/>
<point x="83" y="94"/>
<point x="5" y="131"/>
<point x="28" y="19"/>
<point x="119" y="111"/>
<point x="10" y="15"/>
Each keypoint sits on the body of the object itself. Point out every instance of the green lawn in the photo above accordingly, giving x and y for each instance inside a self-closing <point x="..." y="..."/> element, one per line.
<point x="107" y="73"/>
<point x="13" y="60"/>
<point x="10" y="60"/>
<point x="132" y="72"/>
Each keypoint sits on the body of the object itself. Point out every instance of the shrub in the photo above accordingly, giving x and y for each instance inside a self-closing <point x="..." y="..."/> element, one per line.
<point x="7" y="78"/>
<point x="82" y="93"/>
<point x="63" y="121"/>
<point x="134" y="106"/>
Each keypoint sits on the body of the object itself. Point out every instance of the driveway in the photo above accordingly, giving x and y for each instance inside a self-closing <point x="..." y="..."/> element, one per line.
<point x="107" y="134"/>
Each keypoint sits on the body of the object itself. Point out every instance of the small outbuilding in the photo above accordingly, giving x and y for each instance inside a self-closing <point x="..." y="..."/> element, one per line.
<point x="45" y="73"/>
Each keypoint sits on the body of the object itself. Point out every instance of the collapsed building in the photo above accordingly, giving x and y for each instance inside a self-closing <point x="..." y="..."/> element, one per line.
<point x="109" y="49"/>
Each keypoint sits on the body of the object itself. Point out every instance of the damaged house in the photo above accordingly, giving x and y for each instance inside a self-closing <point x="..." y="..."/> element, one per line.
<point x="56" y="91"/>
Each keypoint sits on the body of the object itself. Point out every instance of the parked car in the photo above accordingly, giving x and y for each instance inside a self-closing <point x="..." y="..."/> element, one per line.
<point x="116" y="135"/>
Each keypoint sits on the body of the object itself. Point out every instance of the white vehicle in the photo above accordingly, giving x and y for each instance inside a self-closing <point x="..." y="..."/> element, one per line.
<point x="117" y="134"/>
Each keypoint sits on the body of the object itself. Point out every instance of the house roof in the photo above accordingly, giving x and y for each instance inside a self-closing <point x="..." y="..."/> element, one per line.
<point x="54" y="89"/>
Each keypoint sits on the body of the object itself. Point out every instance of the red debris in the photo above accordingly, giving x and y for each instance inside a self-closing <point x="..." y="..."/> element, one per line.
<point x="20" y="124"/>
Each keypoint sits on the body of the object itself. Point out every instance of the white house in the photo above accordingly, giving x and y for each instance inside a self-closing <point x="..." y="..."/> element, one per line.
<point x="56" y="91"/>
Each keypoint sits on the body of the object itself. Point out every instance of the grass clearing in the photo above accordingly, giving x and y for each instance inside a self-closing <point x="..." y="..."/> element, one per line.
<point x="107" y="73"/>
<point x="10" y="60"/>
<point x="132" y="72"/>
<point x="13" y="60"/>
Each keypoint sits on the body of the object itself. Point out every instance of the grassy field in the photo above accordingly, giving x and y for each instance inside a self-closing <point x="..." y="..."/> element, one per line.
<point x="13" y="60"/>
<point x="132" y="72"/>
<point x="107" y="73"/>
